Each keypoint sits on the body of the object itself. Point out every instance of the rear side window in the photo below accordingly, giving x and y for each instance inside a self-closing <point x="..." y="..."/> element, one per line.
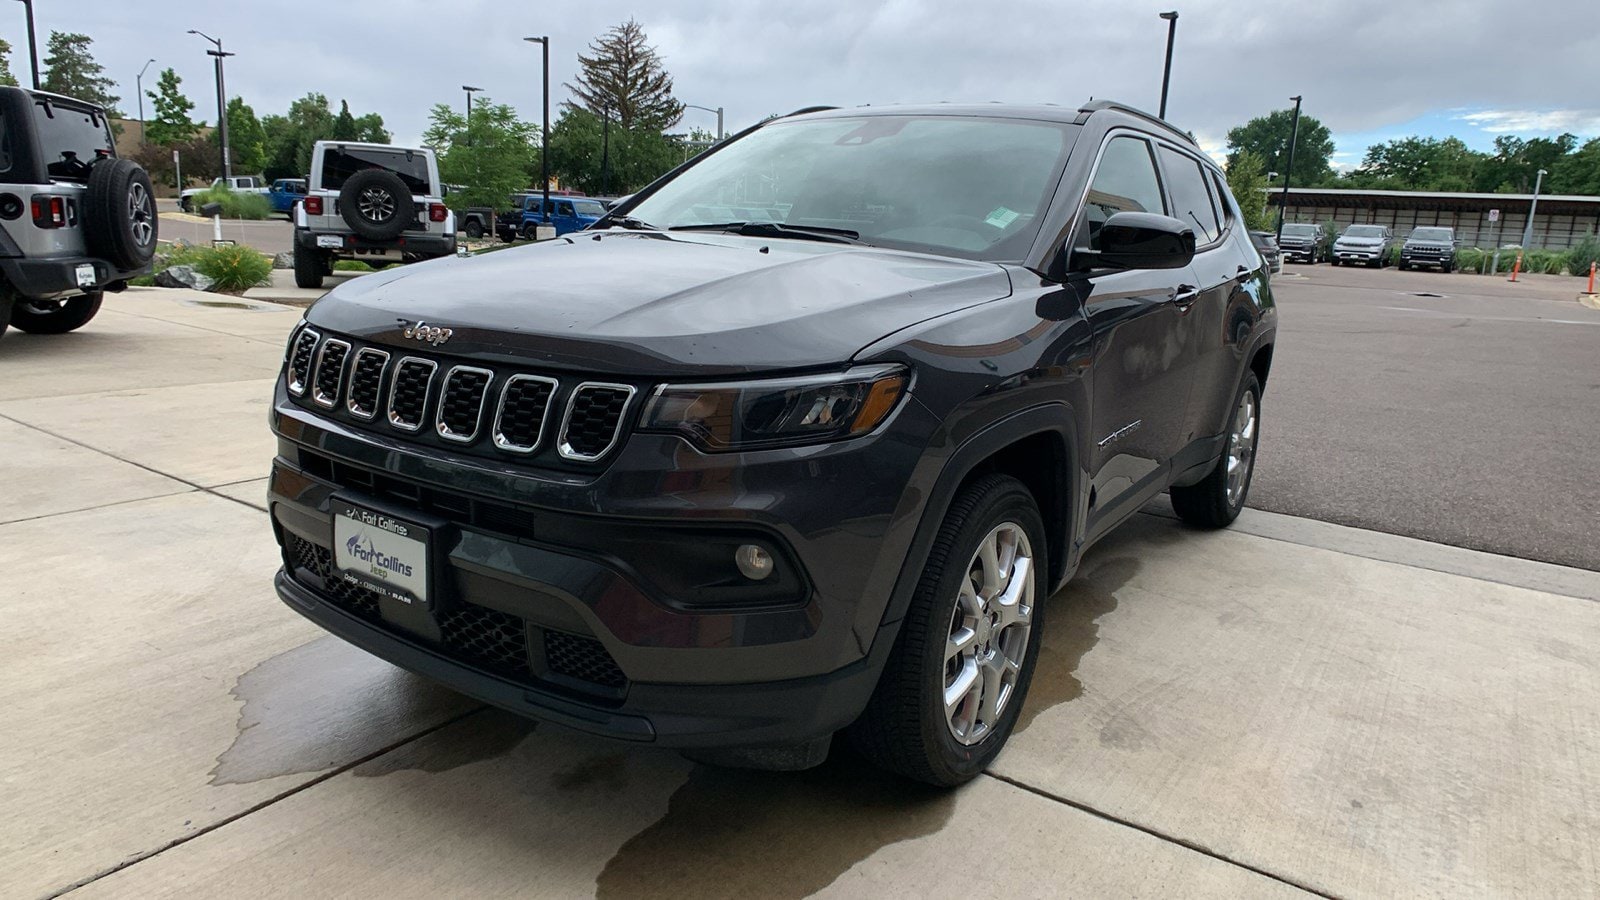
<point x="70" y="139"/>
<point x="339" y="163"/>
<point x="1225" y="206"/>
<point x="1191" y="199"/>
<point x="1125" y="181"/>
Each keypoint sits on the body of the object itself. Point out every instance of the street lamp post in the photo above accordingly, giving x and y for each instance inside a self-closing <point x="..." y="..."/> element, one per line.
<point x="1288" y="169"/>
<point x="470" y="91"/>
<point x="33" y="43"/>
<point x="222" y="103"/>
<point x="1527" y="232"/>
<point x="718" y="111"/>
<point x="544" y="127"/>
<point x="1166" y="73"/>
<point x="138" y="81"/>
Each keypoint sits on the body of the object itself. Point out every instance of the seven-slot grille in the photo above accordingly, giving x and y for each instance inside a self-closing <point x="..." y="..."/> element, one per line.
<point x="369" y="380"/>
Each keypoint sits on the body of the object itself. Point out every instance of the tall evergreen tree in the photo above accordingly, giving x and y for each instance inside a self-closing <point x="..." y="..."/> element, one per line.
<point x="344" y="124"/>
<point x="247" y="140"/>
<point x="169" y="121"/>
<point x="623" y="76"/>
<point x="74" y="72"/>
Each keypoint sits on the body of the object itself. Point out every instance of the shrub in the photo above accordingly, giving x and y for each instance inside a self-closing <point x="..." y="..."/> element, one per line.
<point x="233" y="267"/>
<point x="353" y="265"/>
<point x="1470" y="259"/>
<point x="1583" y="255"/>
<point x="234" y="205"/>
<point x="1544" y="262"/>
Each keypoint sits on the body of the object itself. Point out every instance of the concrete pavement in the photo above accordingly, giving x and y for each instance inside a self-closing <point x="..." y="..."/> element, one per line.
<point x="1286" y="707"/>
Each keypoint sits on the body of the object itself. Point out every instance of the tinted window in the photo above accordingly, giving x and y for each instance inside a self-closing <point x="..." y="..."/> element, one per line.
<point x="339" y="163"/>
<point x="1126" y="181"/>
<point x="564" y="209"/>
<point x="1432" y="234"/>
<point x="1364" y="231"/>
<point x="1191" y="201"/>
<point x="71" y="139"/>
<point x="589" y="207"/>
<point x="1300" y="230"/>
<point x="1227" y="208"/>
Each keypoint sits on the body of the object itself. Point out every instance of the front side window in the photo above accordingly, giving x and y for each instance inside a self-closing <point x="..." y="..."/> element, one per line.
<point x="339" y="163"/>
<point x="955" y="185"/>
<point x="1125" y="181"/>
<point x="1191" y="200"/>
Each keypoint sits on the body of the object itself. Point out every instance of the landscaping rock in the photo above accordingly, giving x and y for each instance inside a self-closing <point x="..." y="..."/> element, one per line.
<point x="284" y="260"/>
<point x="184" y="277"/>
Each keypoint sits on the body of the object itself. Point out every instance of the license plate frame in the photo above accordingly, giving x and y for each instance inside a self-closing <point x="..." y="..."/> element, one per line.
<point x="392" y="555"/>
<point x="85" y="275"/>
<point x="330" y="241"/>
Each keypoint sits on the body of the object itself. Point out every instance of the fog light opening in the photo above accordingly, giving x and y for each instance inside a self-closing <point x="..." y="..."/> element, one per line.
<point x="754" y="562"/>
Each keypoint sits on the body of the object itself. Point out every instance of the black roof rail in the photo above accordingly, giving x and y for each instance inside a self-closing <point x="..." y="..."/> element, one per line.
<point x="1094" y="106"/>
<point x="806" y="109"/>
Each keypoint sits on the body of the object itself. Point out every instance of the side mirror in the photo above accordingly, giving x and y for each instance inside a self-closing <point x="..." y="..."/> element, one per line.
<point x="1140" y="240"/>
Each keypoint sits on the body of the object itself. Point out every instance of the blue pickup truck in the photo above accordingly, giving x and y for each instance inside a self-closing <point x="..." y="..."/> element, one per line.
<point x="567" y="214"/>
<point x="285" y="193"/>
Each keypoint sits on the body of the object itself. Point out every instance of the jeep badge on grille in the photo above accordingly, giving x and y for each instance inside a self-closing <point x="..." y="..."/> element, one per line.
<point x="428" y="334"/>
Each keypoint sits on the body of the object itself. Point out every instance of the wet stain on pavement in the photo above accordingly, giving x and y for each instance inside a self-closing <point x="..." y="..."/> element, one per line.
<point x="731" y="833"/>
<point x="609" y="772"/>
<point x="488" y="734"/>
<point x="326" y="704"/>
<point x="1071" y="629"/>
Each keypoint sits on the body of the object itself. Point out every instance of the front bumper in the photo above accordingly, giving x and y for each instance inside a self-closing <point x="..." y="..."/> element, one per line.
<point x="55" y="276"/>
<point x="537" y="573"/>
<point x="1358" y="254"/>
<point x="426" y="245"/>
<point x="1427" y="258"/>
<point x="1294" y="253"/>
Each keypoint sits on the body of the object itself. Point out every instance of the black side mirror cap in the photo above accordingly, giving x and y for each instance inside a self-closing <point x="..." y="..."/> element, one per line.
<point x="1141" y="240"/>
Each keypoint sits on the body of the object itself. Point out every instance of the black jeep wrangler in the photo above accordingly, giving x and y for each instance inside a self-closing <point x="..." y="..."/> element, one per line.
<point x="75" y="221"/>
<point x="798" y="441"/>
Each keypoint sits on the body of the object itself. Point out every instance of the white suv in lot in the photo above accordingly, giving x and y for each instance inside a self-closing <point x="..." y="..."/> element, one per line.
<point x="372" y="202"/>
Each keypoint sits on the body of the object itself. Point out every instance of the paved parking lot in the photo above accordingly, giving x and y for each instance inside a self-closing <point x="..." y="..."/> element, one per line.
<point x="1288" y="707"/>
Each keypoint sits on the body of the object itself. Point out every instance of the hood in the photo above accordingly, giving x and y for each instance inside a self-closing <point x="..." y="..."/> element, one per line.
<point x="647" y="304"/>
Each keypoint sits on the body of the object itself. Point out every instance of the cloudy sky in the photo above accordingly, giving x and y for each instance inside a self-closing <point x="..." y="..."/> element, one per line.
<point x="1369" y="69"/>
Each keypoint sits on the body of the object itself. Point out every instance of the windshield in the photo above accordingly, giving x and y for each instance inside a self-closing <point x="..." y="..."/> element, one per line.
<point x="1299" y="231"/>
<point x="589" y="208"/>
<point x="1431" y="234"/>
<point x="966" y="187"/>
<point x="1364" y="231"/>
<point x="71" y="139"/>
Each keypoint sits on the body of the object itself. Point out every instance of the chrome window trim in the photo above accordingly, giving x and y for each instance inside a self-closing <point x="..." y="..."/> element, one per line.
<point x="544" y="420"/>
<point x="311" y="365"/>
<point x="316" y="371"/>
<point x="565" y="449"/>
<point x="350" y="400"/>
<point x="444" y="390"/>
<point x="394" y="381"/>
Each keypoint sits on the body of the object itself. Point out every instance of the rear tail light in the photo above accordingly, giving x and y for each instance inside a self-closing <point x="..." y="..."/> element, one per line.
<point x="436" y="212"/>
<point x="313" y="206"/>
<point x="49" y="212"/>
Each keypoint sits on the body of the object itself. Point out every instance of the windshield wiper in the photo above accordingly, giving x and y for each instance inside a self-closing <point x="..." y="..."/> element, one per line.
<point x="630" y="223"/>
<point x="779" y="230"/>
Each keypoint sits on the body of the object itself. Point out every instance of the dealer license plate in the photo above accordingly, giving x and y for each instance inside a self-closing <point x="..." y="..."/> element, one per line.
<point x="330" y="240"/>
<point x="85" y="275"/>
<point x="378" y="551"/>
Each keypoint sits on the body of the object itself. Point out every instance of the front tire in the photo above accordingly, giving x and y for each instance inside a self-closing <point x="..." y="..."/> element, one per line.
<point x="474" y="229"/>
<point x="1215" y="501"/>
<point x="308" y="268"/>
<point x="55" y="316"/>
<point x="959" y="672"/>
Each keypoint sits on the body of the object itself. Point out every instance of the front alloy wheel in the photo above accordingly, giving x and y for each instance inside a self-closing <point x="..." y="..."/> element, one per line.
<point x="1215" y="500"/>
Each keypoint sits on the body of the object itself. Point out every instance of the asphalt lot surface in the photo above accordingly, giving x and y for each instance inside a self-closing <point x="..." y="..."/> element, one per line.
<point x="1470" y="419"/>
<point x="1285" y="708"/>
<point x="274" y="235"/>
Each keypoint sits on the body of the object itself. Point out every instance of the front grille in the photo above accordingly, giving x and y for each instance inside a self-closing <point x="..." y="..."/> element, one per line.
<point x="519" y="420"/>
<point x="300" y="361"/>
<point x="408" y="392"/>
<point x="330" y="373"/>
<point x="594" y="416"/>
<point x="461" y="403"/>
<point x="583" y="658"/>
<point x="366" y="376"/>
<point x="318" y="560"/>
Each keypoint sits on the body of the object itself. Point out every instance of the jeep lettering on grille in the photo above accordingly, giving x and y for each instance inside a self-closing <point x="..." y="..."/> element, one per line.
<point x="428" y="334"/>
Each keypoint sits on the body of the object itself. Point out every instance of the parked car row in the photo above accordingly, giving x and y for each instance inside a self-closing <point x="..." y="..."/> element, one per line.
<point x="1370" y="245"/>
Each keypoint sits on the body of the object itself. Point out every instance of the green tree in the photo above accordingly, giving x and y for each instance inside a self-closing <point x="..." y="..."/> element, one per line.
<point x="1268" y="138"/>
<point x="491" y="156"/>
<point x="1247" y="181"/>
<point x="5" y="64"/>
<point x="369" y="129"/>
<point x="247" y="140"/>
<point x="1420" y="164"/>
<point x="74" y="72"/>
<point x="289" y="138"/>
<point x="344" y="124"/>
<point x="1578" y="172"/>
<point x="169" y="119"/>
<point x="586" y="155"/>
<point x="624" y="76"/>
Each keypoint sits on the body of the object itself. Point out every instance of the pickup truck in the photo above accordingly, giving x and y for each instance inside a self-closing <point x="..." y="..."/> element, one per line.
<point x="239" y="184"/>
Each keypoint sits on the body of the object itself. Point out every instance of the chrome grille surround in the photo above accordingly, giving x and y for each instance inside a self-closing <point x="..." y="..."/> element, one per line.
<point x="356" y="370"/>
<point x="563" y="442"/>
<point x="517" y="382"/>
<point x="341" y="355"/>
<point x="446" y="398"/>
<point x="301" y="357"/>
<point x="397" y="420"/>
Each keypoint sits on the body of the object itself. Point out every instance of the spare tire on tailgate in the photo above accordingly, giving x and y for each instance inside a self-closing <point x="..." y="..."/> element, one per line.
<point x="376" y="204"/>
<point x="119" y="222"/>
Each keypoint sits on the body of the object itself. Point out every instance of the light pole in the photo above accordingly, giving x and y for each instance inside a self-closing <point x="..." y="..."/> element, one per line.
<point x="1527" y="232"/>
<point x="1166" y="73"/>
<point x="470" y="91"/>
<point x="33" y="43"/>
<point x="544" y="128"/>
<point x="1288" y="169"/>
<point x="138" y="81"/>
<point x="718" y="111"/>
<point x="222" y="103"/>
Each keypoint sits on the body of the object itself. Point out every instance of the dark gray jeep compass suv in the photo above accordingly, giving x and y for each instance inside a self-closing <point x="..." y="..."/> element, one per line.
<point x="796" y="441"/>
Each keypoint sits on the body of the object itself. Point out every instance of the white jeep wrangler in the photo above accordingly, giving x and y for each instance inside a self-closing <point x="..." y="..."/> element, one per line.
<point x="372" y="202"/>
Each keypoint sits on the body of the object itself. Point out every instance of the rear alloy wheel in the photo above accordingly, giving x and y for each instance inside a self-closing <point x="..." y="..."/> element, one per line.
<point x="55" y="316"/>
<point x="1215" y="501"/>
<point x="956" y="680"/>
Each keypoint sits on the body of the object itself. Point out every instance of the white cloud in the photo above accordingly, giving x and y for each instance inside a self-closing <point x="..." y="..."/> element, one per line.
<point x="1525" y="121"/>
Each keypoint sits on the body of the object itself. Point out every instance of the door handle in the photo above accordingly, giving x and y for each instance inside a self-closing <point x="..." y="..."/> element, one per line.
<point x="1184" y="295"/>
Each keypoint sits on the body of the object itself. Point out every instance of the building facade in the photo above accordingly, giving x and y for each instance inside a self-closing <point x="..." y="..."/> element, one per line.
<point x="1562" y="220"/>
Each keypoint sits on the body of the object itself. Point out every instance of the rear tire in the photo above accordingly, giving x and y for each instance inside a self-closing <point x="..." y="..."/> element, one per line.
<point x="474" y="229"/>
<point x="7" y="299"/>
<point x="308" y="268"/>
<point x="952" y="636"/>
<point x="55" y="316"/>
<point x="120" y="222"/>
<point x="1215" y="501"/>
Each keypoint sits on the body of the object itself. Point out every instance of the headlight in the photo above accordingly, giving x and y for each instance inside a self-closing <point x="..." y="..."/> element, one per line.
<point x="779" y="411"/>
